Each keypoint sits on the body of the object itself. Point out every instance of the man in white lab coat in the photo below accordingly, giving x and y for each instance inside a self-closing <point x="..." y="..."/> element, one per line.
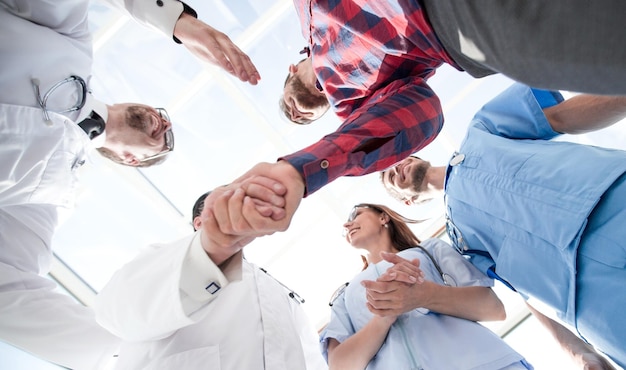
<point x="180" y="307"/>
<point x="45" y="134"/>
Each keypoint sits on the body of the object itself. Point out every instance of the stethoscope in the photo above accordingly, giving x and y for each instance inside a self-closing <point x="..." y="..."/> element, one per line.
<point x="44" y="100"/>
<point x="291" y="293"/>
<point x="448" y="280"/>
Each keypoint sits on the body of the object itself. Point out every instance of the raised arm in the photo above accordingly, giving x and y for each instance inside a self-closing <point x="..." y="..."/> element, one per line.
<point x="584" y="113"/>
<point x="582" y="353"/>
<point x="393" y="123"/>
<point x="175" y="19"/>
<point x="215" y="47"/>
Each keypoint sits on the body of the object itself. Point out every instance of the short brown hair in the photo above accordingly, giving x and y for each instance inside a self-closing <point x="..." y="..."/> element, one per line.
<point x="109" y="154"/>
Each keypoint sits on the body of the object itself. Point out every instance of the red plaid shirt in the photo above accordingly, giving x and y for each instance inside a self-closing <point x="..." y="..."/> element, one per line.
<point x="373" y="59"/>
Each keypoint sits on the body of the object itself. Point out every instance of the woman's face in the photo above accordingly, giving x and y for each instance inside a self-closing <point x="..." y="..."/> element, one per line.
<point x="364" y="224"/>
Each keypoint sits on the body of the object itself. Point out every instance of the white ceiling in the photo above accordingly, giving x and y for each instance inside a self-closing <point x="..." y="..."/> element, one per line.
<point x="223" y="128"/>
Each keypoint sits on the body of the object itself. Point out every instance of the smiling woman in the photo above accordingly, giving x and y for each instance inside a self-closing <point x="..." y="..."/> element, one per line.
<point x="413" y="337"/>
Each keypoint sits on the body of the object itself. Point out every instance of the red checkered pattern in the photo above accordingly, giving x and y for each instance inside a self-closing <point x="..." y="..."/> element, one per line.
<point x="373" y="59"/>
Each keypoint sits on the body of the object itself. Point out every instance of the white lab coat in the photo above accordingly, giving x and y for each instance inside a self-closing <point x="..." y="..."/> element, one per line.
<point x="49" y="41"/>
<point x="159" y="304"/>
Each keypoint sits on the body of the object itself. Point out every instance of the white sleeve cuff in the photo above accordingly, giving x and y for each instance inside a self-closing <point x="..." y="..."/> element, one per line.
<point x="161" y="15"/>
<point x="201" y="279"/>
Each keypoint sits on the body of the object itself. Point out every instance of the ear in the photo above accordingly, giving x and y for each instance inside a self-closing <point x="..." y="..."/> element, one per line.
<point x="197" y="222"/>
<point x="293" y="69"/>
<point x="130" y="159"/>
<point x="384" y="218"/>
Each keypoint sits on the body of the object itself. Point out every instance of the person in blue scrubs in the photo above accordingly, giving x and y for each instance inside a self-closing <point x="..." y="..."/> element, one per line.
<point x="425" y="337"/>
<point x="545" y="216"/>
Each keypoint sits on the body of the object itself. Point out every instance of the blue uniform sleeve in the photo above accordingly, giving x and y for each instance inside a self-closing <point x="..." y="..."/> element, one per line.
<point x="339" y="327"/>
<point x="517" y="113"/>
<point x="455" y="265"/>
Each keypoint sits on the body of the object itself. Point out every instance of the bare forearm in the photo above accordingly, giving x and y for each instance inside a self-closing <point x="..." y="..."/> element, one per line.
<point x="471" y="303"/>
<point x="584" y="113"/>
<point x="580" y="352"/>
<point x="357" y="351"/>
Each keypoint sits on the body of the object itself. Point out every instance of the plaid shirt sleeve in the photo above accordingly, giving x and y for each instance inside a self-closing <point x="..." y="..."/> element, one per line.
<point x="395" y="122"/>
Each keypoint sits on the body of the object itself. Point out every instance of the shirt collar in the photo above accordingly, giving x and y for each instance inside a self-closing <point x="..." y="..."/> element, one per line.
<point x="99" y="107"/>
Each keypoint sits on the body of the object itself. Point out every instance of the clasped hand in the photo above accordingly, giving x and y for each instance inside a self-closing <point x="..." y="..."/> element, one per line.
<point x="400" y="289"/>
<point x="259" y="203"/>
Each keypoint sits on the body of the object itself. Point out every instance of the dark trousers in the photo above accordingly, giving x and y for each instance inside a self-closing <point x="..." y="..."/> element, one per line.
<point x="575" y="45"/>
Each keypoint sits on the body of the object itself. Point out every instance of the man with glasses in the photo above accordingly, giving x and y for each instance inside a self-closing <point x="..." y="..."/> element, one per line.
<point x="546" y="217"/>
<point x="216" y="311"/>
<point x="49" y="122"/>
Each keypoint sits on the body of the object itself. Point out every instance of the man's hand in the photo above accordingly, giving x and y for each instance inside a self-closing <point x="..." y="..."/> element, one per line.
<point x="227" y="203"/>
<point x="213" y="46"/>
<point x="258" y="203"/>
<point x="581" y="353"/>
<point x="255" y="224"/>
<point x="594" y="361"/>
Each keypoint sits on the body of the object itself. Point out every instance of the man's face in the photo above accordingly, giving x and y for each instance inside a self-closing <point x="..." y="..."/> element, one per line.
<point x="407" y="179"/>
<point x="141" y="134"/>
<point x="303" y="101"/>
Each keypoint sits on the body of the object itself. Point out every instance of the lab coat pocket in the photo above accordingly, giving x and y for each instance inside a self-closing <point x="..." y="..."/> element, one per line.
<point x="58" y="180"/>
<point x="198" y="358"/>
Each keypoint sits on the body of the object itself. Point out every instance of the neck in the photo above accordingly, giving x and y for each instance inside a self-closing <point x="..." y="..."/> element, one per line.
<point x="114" y="120"/>
<point x="382" y="245"/>
<point x="436" y="177"/>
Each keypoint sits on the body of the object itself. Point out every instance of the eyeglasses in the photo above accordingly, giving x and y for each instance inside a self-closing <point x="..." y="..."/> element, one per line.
<point x="168" y="136"/>
<point x="337" y="293"/>
<point x="354" y="213"/>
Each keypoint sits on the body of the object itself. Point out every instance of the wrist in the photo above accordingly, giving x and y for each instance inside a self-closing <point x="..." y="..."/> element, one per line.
<point x="384" y="321"/>
<point x="294" y="174"/>
<point x="188" y="14"/>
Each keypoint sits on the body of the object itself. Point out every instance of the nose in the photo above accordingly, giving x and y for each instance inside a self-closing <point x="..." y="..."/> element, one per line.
<point x="295" y="115"/>
<point x="344" y="232"/>
<point x="167" y="125"/>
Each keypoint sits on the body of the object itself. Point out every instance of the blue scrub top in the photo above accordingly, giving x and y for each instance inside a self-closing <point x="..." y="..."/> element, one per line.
<point x="520" y="201"/>
<point x="419" y="338"/>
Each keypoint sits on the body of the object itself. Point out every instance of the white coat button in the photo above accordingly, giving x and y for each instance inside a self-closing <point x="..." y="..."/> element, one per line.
<point x="324" y="164"/>
<point x="457" y="159"/>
